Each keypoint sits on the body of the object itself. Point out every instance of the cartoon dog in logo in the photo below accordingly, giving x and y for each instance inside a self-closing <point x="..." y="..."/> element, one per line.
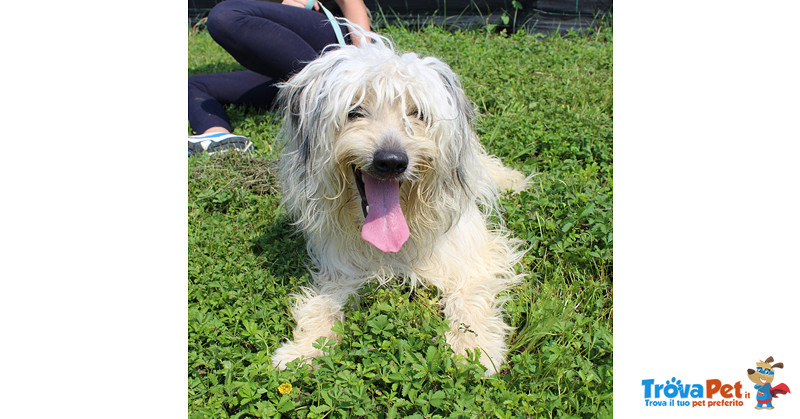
<point x="763" y="376"/>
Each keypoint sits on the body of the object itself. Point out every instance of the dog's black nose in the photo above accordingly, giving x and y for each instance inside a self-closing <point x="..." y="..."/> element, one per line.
<point x="389" y="162"/>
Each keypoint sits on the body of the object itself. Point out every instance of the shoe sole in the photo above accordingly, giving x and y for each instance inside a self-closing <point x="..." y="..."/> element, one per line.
<point x="233" y="143"/>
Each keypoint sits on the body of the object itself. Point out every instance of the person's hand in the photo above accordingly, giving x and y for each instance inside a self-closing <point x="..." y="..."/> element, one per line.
<point x="300" y="3"/>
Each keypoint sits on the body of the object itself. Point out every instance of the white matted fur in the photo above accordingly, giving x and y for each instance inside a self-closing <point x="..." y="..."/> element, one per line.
<point x="363" y="119"/>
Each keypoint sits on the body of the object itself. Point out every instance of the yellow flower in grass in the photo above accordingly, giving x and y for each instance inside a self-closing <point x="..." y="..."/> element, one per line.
<point x="285" y="388"/>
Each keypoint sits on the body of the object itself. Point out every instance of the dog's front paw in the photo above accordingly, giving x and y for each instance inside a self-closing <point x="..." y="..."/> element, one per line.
<point x="492" y="353"/>
<point x="290" y="351"/>
<point x="492" y="361"/>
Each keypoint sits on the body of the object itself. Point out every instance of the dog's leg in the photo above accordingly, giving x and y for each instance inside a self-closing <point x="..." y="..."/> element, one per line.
<point x="471" y="267"/>
<point x="315" y="312"/>
<point x="476" y="324"/>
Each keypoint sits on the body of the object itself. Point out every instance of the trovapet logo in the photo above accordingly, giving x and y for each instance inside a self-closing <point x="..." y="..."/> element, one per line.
<point x="675" y="393"/>
<point x="716" y="393"/>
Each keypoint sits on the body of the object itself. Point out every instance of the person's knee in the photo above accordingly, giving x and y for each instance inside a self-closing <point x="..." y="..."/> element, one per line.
<point x="196" y="84"/>
<point x="223" y="17"/>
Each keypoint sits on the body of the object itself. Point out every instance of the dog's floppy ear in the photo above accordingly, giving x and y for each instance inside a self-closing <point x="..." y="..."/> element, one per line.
<point x="308" y="101"/>
<point x="462" y="149"/>
<point x="303" y="98"/>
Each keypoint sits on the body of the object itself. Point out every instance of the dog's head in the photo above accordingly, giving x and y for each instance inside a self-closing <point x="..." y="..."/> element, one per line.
<point x="378" y="141"/>
<point x="764" y="372"/>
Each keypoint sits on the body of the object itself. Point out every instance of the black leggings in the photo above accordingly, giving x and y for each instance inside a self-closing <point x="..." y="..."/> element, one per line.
<point x="273" y="41"/>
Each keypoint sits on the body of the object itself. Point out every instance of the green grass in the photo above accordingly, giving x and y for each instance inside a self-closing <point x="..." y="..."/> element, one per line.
<point x="546" y="108"/>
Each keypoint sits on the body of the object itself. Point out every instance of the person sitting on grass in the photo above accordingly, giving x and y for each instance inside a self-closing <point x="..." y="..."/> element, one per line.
<point x="272" y="41"/>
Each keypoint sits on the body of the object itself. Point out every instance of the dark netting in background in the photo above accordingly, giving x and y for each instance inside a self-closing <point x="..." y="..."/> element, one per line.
<point x="540" y="16"/>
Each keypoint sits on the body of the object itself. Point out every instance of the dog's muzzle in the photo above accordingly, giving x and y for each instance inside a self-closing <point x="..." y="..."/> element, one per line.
<point x="386" y="164"/>
<point x="384" y="223"/>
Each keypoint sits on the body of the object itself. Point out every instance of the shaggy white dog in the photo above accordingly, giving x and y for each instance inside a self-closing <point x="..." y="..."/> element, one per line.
<point x="384" y="174"/>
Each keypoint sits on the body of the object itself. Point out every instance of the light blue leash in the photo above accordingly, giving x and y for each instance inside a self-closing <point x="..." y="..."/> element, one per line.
<point x="334" y="22"/>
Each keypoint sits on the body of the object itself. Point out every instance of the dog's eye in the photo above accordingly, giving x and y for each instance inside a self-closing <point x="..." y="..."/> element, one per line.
<point x="415" y="113"/>
<point x="356" y="114"/>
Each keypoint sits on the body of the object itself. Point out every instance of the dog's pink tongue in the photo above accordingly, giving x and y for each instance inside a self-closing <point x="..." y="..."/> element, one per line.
<point x="385" y="226"/>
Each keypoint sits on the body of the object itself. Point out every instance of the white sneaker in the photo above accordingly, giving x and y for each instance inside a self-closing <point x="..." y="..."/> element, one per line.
<point x="218" y="142"/>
